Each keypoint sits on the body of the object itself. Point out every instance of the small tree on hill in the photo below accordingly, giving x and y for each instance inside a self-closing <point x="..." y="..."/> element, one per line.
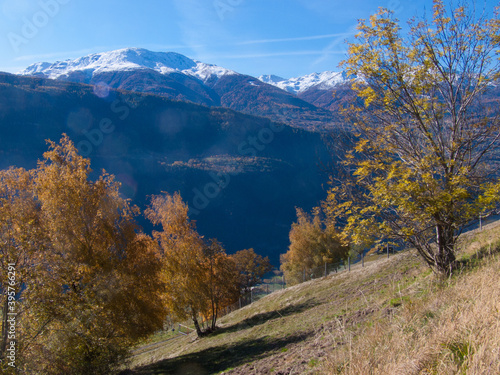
<point x="222" y="281"/>
<point x="312" y="244"/>
<point x="251" y="267"/>
<point x="200" y="279"/>
<point x="425" y="162"/>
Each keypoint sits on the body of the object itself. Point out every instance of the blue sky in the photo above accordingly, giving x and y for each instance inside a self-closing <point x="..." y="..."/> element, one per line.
<point x="284" y="37"/>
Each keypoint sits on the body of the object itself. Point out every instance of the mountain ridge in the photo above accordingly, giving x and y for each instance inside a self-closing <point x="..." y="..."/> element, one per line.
<point x="127" y="59"/>
<point x="324" y="81"/>
<point x="178" y="77"/>
<point x="168" y="62"/>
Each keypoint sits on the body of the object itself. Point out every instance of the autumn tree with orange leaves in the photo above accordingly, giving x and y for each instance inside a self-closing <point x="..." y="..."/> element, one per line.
<point x="90" y="278"/>
<point x="251" y="267"/>
<point x="200" y="278"/>
<point x="313" y="242"/>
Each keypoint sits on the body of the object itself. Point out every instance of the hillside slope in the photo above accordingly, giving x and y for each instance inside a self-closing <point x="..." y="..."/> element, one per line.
<point x="390" y="317"/>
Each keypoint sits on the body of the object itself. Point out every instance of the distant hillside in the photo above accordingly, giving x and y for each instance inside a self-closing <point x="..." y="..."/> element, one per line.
<point x="242" y="175"/>
<point x="332" y="99"/>
<point x="327" y="90"/>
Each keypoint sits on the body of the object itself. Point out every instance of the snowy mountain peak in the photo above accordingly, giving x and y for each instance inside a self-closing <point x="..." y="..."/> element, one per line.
<point x="89" y="69"/>
<point x="323" y="81"/>
<point x="271" y="79"/>
<point x="127" y="59"/>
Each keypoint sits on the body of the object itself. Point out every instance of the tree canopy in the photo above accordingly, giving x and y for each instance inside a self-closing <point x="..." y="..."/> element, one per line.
<point x="312" y="244"/>
<point x="251" y="267"/>
<point x="88" y="284"/>
<point x="200" y="278"/>
<point x="424" y="165"/>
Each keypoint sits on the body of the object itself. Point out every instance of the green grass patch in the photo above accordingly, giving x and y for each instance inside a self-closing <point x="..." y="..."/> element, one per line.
<point x="396" y="302"/>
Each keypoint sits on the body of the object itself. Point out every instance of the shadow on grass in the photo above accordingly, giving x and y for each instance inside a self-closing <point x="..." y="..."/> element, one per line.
<point x="472" y="261"/>
<point x="264" y="317"/>
<point x="220" y="358"/>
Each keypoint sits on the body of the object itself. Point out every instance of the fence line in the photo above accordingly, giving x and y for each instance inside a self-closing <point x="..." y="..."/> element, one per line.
<point x="268" y="286"/>
<point x="278" y="282"/>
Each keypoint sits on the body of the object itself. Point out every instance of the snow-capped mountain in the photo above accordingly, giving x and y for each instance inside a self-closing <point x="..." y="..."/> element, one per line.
<point x="271" y="79"/>
<point x="127" y="59"/>
<point x="178" y="77"/>
<point x="328" y="90"/>
<point x="321" y="81"/>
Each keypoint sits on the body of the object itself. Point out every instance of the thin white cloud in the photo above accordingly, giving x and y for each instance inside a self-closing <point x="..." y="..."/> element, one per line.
<point x="274" y="54"/>
<point x="336" y="46"/>
<point x="199" y="25"/>
<point x="296" y="39"/>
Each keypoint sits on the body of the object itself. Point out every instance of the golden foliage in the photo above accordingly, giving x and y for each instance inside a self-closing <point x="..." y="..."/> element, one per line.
<point x="312" y="244"/>
<point x="251" y="267"/>
<point x="424" y="165"/>
<point x="89" y="277"/>
<point x="200" y="279"/>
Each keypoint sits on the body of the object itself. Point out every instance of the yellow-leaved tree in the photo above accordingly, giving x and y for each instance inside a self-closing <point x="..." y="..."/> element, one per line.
<point x="251" y="267"/>
<point x="222" y="279"/>
<point x="200" y="278"/>
<point x="312" y="244"/>
<point x="424" y="165"/>
<point x="88" y="279"/>
<point x="22" y="265"/>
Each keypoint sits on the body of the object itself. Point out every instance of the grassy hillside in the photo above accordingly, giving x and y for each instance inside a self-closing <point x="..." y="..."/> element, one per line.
<point x="391" y="317"/>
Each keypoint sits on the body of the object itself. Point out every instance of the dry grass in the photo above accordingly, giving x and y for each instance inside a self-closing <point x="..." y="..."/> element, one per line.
<point x="390" y="317"/>
<point x="452" y="328"/>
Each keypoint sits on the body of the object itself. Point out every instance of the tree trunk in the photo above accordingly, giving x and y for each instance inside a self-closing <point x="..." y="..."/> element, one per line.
<point x="214" y="320"/>
<point x="444" y="259"/>
<point x="214" y="313"/>
<point x="199" y="332"/>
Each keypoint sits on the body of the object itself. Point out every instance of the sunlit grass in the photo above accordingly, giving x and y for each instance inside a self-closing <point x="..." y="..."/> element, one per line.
<point x="392" y="316"/>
